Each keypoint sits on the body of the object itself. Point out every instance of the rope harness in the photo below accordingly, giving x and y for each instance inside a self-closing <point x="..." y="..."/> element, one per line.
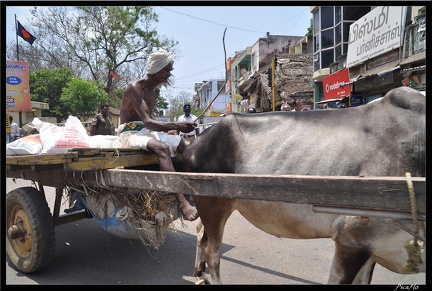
<point x="414" y="247"/>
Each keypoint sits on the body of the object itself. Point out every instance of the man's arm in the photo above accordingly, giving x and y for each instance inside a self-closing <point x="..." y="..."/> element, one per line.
<point x="180" y="119"/>
<point x="93" y="125"/>
<point x="144" y="111"/>
<point x="197" y="128"/>
<point x="92" y="130"/>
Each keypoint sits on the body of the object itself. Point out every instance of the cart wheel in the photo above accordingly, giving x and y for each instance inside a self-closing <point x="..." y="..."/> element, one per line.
<point x="30" y="238"/>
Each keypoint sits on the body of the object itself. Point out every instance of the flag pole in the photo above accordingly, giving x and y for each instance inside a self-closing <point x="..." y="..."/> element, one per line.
<point x="110" y="77"/>
<point x="16" y="33"/>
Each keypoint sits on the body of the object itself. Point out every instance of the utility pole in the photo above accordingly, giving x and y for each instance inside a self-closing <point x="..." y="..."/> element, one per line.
<point x="273" y="83"/>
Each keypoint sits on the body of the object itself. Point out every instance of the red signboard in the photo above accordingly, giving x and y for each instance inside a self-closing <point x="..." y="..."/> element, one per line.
<point x="337" y="85"/>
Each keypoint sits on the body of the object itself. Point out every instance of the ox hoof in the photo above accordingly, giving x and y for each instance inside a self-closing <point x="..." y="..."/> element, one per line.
<point x="202" y="282"/>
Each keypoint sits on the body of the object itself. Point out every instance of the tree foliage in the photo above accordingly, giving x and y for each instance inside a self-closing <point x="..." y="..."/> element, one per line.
<point x="309" y="31"/>
<point x="65" y="93"/>
<point x="46" y="86"/>
<point x="82" y="97"/>
<point x="161" y="104"/>
<point x="96" y="39"/>
<point x="177" y="102"/>
<point x="91" y="41"/>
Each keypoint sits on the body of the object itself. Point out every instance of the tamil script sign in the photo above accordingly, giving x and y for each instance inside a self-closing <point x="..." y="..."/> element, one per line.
<point x="379" y="31"/>
<point x="17" y="86"/>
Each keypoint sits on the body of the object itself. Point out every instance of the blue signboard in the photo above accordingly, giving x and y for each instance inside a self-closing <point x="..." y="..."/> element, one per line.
<point x="356" y="100"/>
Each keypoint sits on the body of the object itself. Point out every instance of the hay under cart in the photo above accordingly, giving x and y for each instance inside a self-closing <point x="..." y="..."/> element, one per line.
<point x="125" y="191"/>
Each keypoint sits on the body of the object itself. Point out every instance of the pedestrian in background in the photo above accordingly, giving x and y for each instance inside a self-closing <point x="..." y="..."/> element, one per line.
<point x="285" y="107"/>
<point x="101" y="124"/>
<point x="188" y="116"/>
<point x="298" y="106"/>
<point x="15" y="131"/>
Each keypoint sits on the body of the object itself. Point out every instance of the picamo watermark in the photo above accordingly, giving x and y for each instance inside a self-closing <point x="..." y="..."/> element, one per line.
<point x="406" y="287"/>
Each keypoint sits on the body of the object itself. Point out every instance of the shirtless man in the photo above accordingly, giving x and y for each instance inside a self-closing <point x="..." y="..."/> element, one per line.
<point x="140" y="130"/>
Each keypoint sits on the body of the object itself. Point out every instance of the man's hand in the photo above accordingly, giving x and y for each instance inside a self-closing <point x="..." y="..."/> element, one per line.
<point x="186" y="126"/>
<point x="172" y="132"/>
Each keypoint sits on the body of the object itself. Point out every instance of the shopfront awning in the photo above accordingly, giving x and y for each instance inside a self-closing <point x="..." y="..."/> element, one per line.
<point x="331" y="100"/>
<point x="380" y="71"/>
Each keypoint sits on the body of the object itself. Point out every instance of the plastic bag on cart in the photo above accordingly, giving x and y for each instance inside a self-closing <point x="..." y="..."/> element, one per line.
<point x="124" y="222"/>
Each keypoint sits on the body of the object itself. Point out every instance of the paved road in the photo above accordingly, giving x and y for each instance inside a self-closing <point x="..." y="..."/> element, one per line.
<point x="87" y="254"/>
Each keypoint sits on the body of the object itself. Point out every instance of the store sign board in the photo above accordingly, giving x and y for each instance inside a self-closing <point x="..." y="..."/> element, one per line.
<point x="377" y="32"/>
<point x="336" y="85"/>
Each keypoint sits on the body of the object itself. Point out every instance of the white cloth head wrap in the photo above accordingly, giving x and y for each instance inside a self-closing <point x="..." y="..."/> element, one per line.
<point x="157" y="61"/>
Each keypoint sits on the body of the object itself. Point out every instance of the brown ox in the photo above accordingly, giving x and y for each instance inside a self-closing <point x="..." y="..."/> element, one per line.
<point x="384" y="138"/>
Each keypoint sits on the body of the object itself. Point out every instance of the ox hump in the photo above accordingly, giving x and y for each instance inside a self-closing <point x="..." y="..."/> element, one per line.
<point x="407" y="98"/>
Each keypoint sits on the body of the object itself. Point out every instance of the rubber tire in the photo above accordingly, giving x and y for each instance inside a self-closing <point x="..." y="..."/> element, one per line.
<point x="37" y="251"/>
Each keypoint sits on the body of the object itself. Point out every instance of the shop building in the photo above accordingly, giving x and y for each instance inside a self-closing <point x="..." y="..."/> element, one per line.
<point x="361" y="53"/>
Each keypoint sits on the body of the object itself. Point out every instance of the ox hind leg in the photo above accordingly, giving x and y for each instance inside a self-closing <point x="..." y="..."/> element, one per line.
<point x="209" y="236"/>
<point x="200" y="262"/>
<point x="351" y="266"/>
<point x="364" y="277"/>
<point x="352" y="263"/>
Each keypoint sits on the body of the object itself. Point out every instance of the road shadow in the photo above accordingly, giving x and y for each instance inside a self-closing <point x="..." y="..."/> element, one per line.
<point x="87" y="254"/>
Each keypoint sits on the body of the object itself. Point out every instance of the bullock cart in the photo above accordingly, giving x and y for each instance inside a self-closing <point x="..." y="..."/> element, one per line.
<point x="30" y="224"/>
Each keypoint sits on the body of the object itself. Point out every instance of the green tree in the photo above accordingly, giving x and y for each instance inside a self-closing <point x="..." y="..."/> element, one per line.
<point x="177" y="102"/>
<point x="81" y="97"/>
<point x="160" y="105"/>
<point x="116" y="97"/>
<point x="310" y="31"/>
<point x="46" y="86"/>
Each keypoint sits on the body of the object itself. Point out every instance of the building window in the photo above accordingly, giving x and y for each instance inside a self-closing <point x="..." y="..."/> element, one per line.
<point x="316" y="26"/>
<point x="327" y="58"/>
<point x="346" y="27"/>
<point x="327" y="38"/>
<point x="345" y="48"/>
<point x="317" y="43"/>
<point x="338" y="51"/>
<point x="355" y="12"/>
<point x="338" y="34"/>
<point x="338" y="15"/>
<point x="327" y="17"/>
<point x="316" y="61"/>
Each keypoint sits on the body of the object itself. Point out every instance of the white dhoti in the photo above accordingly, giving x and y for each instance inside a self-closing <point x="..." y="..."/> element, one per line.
<point x="136" y="135"/>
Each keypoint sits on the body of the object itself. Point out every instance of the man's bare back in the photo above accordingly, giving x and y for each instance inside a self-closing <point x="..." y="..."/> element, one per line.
<point x="137" y="104"/>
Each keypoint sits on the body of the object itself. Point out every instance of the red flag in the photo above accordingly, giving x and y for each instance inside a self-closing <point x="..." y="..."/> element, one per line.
<point x="27" y="36"/>
<point x="112" y="73"/>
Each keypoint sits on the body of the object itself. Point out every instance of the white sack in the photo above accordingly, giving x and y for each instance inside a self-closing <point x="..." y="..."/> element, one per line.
<point x="56" y="139"/>
<point x="27" y="145"/>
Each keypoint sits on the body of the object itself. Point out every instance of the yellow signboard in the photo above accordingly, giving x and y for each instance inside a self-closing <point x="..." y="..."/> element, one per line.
<point x="8" y="128"/>
<point x="215" y="113"/>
